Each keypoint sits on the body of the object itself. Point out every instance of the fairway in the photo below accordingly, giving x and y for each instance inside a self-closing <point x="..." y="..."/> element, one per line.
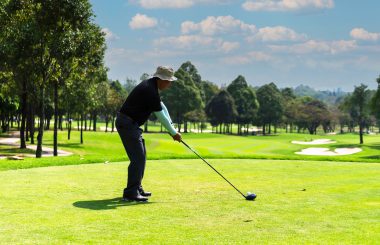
<point x="298" y="202"/>
<point x="101" y="147"/>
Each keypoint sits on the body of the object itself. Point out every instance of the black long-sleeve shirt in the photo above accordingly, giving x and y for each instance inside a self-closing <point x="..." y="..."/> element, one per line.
<point x="142" y="101"/>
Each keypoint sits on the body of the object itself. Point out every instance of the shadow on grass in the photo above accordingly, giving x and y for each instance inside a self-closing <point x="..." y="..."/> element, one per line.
<point x="344" y="145"/>
<point x="106" y="204"/>
<point x="16" y="150"/>
<point x="374" y="157"/>
<point x="70" y="145"/>
<point x="374" y="146"/>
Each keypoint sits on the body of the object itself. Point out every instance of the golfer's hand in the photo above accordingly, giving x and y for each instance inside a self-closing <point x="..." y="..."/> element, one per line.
<point x="177" y="137"/>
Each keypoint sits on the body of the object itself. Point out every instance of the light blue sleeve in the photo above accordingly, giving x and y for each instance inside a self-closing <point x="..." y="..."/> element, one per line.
<point x="166" y="112"/>
<point x="165" y="121"/>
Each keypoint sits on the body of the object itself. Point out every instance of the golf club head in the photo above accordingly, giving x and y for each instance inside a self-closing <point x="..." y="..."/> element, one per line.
<point x="250" y="196"/>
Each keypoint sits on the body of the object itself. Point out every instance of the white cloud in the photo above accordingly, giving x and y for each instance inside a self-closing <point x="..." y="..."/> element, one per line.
<point x="184" y="41"/>
<point x="313" y="46"/>
<point x="177" y="4"/>
<point x="212" y="26"/>
<point x="286" y="5"/>
<point x="205" y="32"/>
<point x="362" y="34"/>
<point x="227" y="47"/>
<point x="277" y="33"/>
<point x="110" y="36"/>
<point x="196" y="43"/>
<point x="217" y="25"/>
<point x="118" y="56"/>
<point x="141" y="21"/>
<point x="254" y="56"/>
<point x="189" y="26"/>
<point x="260" y="56"/>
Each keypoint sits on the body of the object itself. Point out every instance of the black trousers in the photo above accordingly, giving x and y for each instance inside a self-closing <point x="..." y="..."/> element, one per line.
<point x="131" y="136"/>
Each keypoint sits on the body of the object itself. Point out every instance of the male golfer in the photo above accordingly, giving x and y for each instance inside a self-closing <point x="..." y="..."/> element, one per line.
<point x="141" y="102"/>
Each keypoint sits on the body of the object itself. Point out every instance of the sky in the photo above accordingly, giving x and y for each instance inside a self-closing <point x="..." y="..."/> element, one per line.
<point x="325" y="44"/>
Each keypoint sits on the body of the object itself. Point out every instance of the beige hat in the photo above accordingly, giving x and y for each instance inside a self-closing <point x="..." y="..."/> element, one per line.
<point x="165" y="73"/>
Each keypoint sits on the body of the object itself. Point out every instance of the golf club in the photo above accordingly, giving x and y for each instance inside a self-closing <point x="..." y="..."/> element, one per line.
<point x="249" y="196"/>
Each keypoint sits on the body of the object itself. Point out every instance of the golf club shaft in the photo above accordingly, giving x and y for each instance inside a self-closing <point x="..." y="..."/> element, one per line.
<point x="191" y="149"/>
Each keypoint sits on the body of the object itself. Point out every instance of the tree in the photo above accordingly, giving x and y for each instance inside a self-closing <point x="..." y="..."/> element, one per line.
<point x="359" y="102"/>
<point x="42" y="42"/>
<point x="8" y="105"/>
<point x="77" y="42"/>
<point x="289" y="106"/>
<point x="116" y="85"/>
<point x="345" y="105"/>
<point x="271" y="108"/>
<point x="245" y="101"/>
<point x="115" y="99"/>
<point x="310" y="114"/>
<point x="193" y="72"/>
<point x="316" y="113"/>
<point x="17" y="41"/>
<point x="189" y="68"/>
<point x="100" y="100"/>
<point x="182" y="97"/>
<point x="196" y="117"/>
<point x="221" y="109"/>
<point x="210" y="90"/>
<point x="344" y="118"/>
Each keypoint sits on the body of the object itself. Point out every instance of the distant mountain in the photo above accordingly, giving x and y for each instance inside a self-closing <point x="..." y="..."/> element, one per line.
<point x="329" y="97"/>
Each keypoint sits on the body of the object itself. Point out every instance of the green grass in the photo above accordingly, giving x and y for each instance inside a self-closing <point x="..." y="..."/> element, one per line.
<point x="299" y="202"/>
<point x="101" y="147"/>
<point x="301" y="199"/>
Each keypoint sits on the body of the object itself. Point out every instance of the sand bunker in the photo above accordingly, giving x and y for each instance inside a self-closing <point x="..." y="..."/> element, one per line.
<point x="314" y="142"/>
<point x="203" y="131"/>
<point x="328" y="152"/>
<point x="9" y="141"/>
<point x="109" y="129"/>
<point x="48" y="152"/>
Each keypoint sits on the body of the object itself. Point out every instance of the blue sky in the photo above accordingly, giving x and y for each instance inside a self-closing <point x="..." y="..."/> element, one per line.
<point x="326" y="44"/>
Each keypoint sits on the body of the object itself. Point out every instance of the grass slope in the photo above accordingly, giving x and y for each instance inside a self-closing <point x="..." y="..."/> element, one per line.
<point x="298" y="202"/>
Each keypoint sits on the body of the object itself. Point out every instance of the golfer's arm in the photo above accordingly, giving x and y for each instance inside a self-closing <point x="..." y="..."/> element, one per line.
<point x="165" y="122"/>
<point x="166" y="112"/>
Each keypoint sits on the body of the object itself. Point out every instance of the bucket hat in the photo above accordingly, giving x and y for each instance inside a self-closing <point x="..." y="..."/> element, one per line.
<point x="165" y="73"/>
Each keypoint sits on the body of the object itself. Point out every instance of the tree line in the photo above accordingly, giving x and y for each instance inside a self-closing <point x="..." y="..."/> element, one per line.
<point x="51" y="62"/>
<point x="190" y="99"/>
<point x="52" y="68"/>
<point x="193" y="100"/>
